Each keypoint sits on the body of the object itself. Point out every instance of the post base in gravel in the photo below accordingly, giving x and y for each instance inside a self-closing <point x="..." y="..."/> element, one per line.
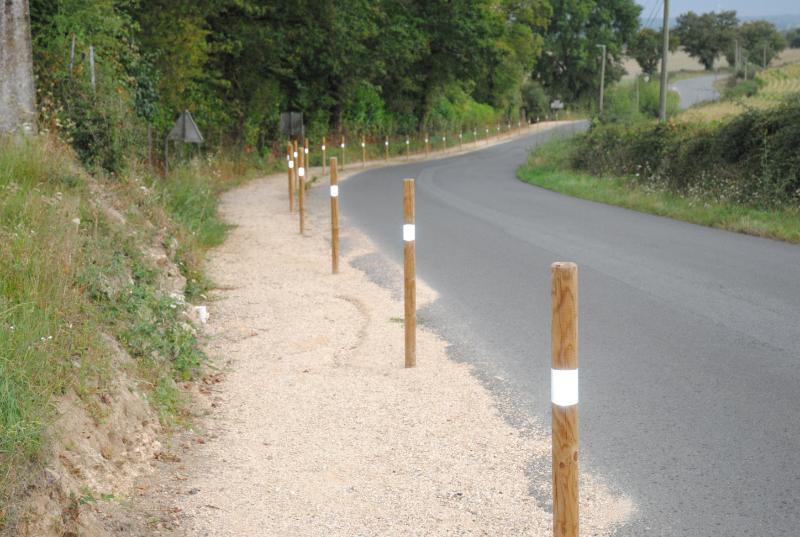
<point x="564" y="397"/>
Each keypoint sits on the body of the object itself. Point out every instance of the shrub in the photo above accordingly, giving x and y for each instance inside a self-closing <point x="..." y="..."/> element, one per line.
<point x="751" y="159"/>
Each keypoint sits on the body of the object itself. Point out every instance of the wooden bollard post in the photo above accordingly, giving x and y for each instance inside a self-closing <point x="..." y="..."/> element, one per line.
<point x="564" y="398"/>
<point x="444" y="143"/>
<point x="301" y="190"/>
<point x="487" y="135"/>
<point x="363" y="152"/>
<point x="334" y="217"/>
<point x="290" y="168"/>
<point x="296" y="165"/>
<point x="460" y="140"/>
<point x="323" y="155"/>
<point x="409" y="271"/>
<point x="343" y="148"/>
<point x="474" y="136"/>
<point x="426" y="145"/>
<point x="306" y="159"/>
<point x="408" y="148"/>
<point x="386" y="149"/>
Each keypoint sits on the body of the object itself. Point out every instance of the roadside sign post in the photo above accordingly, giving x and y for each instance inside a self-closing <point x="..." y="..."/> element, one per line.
<point x="334" y="217"/>
<point x="564" y="398"/>
<point x="409" y="273"/>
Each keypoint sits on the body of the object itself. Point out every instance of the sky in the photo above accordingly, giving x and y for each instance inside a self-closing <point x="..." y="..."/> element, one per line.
<point x="747" y="8"/>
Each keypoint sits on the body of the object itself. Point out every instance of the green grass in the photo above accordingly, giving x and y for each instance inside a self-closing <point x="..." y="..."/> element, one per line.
<point x="69" y="276"/>
<point x="548" y="167"/>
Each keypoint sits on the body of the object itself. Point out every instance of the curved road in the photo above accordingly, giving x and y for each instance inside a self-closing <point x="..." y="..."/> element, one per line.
<point x="690" y="336"/>
<point x="696" y="90"/>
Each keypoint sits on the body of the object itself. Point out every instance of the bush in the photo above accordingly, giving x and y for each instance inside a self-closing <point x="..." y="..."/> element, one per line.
<point x="621" y="106"/>
<point x="751" y="159"/>
<point x="744" y="88"/>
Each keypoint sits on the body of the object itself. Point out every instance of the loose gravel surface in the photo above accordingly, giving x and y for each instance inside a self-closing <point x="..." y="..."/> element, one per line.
<point x="318" y="430"/>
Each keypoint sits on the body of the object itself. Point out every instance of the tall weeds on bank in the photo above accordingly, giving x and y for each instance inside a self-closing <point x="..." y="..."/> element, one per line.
<point x="71" y="277"/>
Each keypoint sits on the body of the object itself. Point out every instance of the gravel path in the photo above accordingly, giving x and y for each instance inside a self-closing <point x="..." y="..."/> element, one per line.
<point x="320" y="431"/>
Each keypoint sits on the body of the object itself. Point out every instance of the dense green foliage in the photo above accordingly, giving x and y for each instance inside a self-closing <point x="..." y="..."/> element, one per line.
<point x="751" y="159"/>
<point x="646" y="49"/>
<point x="357" y="67"/>
<point x="570" y="64"/>
<point x="707" y="36"/>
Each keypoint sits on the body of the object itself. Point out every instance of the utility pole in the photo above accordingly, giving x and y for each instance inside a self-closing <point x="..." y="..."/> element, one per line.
<point x="662" y="109"/>
<point x="602" y="77"/>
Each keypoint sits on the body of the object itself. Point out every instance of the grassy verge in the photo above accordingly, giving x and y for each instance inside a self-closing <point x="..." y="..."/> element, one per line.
<point x="549" y="167"/>
<point x="71" y="275"/>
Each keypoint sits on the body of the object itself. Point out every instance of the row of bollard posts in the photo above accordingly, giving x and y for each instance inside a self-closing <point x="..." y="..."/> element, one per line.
<point x="564" y="327"/>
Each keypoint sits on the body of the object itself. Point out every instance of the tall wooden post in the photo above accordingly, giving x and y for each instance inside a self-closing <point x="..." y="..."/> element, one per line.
<point x="323" y="155"/>
<point x="564" y="397"/>
<point x="334" y="217"/>
<point x="301" y="190"/>
<point x="290" y="161"/>
<point x="306" y="159"/>
<point x="296" y="164"/>
<point x="409" y="271"/>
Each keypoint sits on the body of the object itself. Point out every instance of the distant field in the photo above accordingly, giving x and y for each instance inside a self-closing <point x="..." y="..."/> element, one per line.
<point x="680" y="61"/>
<point x="779" y="82"/>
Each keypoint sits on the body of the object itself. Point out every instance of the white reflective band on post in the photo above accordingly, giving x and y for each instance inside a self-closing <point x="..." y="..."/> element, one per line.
<point x="386" y="143"/>
<point x="323" y="148"/>
<point x="342" y="146"/>
<point x="301" y="171"/>
<point x="407" y="142"/>
<point x="564" y="387"/>
<point x="295" y="154"/>
<point x="362" y="144"/>
<point x="408" y="232"/>
<point x="306" y="150"/>
<point x="334" y="191"/>
<point x="291" y="164"/>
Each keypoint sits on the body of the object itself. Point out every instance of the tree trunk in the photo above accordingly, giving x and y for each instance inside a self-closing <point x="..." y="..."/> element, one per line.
<point x="17" y="90"/>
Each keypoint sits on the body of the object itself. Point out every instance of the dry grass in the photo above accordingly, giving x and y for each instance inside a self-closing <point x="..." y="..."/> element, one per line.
<point x="778" y="84"/>
<point x="680" y="61"/>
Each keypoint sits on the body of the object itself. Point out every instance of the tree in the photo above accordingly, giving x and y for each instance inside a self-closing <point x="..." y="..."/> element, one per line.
<point x="646" y="49"/>
<point x="760" y="40"/>
<point x="569" y="67"/>
<point x="17" y="90"/>
<point x="707" y="36"/>
<point x="793" y="38"/>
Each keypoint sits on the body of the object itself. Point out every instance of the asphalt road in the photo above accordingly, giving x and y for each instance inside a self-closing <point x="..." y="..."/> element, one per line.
<point x="689" y="342"/>
<point x="696" y="90"/>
